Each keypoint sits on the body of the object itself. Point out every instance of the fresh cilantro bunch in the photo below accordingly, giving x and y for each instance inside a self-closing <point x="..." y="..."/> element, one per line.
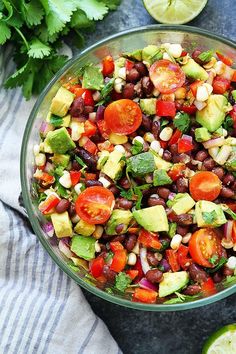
<point x="36" y="28"/>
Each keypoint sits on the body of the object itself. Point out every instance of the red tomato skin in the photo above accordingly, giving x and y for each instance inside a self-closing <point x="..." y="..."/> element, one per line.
<point x="103" y="129"/>
<point x="185" y="144"/>
<point x="116" y="246"/>
<point x="75" y="177"/>
<point x="90" y="128"/>
<point x="48" y="204"/>
<point x="96" y="267"/>
<point x="220" y="85"/>
<point x="165" y="109"/>
<point x="144" y="295"/>
<point x="192" y="109"/>
<point x="138" y="267"/>
<point x="90" y="146"/>
<point x="172" y="259"/>
<point x="208" y="287"/>
<point x="108" y="65"/>
<point x="175" y="137"/>
<point x="183" y="260"/>
<point x="149" y="239"/>
<point x="194" y="86"/>
<point x="90" y="176"/>
<point x="234" y="76"/>
<point x="132" y="273"/>
<point x="119" y="261"/>
<point x="205" y="185"/>
<point x="234" y="232"/>
<point x="176" y="171"/>
<point x="129" y="65"/>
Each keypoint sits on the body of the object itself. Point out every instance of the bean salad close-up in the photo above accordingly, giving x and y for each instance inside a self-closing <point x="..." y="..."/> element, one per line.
<point x="135" y="173"/>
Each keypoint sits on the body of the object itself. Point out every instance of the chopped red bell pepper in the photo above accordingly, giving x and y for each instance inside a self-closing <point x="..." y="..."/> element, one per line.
<point x="184" y="53"/>
<point x="183" y="260"/>
<point x="220" y="85"/>
<point x="226" y="60"/>
<point x="88" y="98"/>
<point x="149" y="239"/>
<point x="108" y="65"/>
<point x="208" y="287"/>
<point x="75" y="177"/>
<point x="103" y="128"/>
<point x="165" y="108"/>
<point x="194" y="86"/>
<point x="233" y="115"/>
<point x="147" y="296"/>
<point x="45" y="178"/>
<point x="90" y="176"/>
<point x="82" y="92"/>
<point x="129" y="65"/>
<point x="119" y="261"/>
<point x="234" y="232"/>
<point x="176" y="171"/>
<point x="172" y="259"/>
<point x="190" y="109"/>
<point x="106" y="145"/>
<point x="175" y="137"/>
<point x="50" y="202"/>
<point x="96" y="266"/>
<point x="234" y="76"/>
<point x="116" y="246"/>
<point x="90" y="128"/>
<point x="132" y="273"/>
<point x="185" y="144"/>
<point x="88" y="145"/>
<point x="138" y="267"/>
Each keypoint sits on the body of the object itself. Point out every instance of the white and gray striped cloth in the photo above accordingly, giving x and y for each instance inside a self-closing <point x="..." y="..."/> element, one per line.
<point x="41" y="309"/>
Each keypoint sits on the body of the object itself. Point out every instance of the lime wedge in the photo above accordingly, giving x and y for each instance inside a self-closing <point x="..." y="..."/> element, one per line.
<point x="174" y="11"/>
<point x="222" y="341"/>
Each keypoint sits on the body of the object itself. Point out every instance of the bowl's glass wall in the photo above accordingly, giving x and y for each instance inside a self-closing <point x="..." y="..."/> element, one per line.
<point x="190" y="38"/>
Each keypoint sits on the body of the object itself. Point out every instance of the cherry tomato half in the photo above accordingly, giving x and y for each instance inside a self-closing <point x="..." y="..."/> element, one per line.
<point x="166" y="76"/>
<point x="205" y="186"/>
<point x="220" y="85"/>
<point x="147" y="296"/>
<point x="94" y="205"/>
<point x="203" y="245"/>
<point x="123" y="116"/>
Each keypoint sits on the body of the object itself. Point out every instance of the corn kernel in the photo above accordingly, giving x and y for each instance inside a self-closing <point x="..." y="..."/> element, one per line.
<point x="176" y="241"/>
<point x="40" y="159"/>
<point x="166" y="134"/>
<point x="98" y="232"/>
<point x="65" y="180"/>
<point x="132" y="259"/>
<point x="155" y="146"/>
<point x="149" y="137"/>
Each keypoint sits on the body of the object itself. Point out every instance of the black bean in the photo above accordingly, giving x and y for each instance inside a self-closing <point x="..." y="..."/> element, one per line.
<point x="77" y="107"/>
<point x="88" y="158"/>
<point x="92" y="183"/>
<point x="152" y="259"/>
<point x="208" y="163"/>
<point x="108" y="273"/>
<point x="119" y="238"/>
<point x="88" y="109"/>
<point x="147" y="85"/>
<point x="231" y="99"/>
<point x="130" y="242"/>
<point x="123" y="203"/>
<point x="132" y="75"/>
<point x="183" y="219"/>
<point x="217" y="277"/>
<point x="146" y="123"/>
<point x="167" y="155"/>
<point x="139" y="90"/>
<point x="219" y="172"/>
<point x="197" y="274"/>
<point x="114" y="190"/>
<point x="141" y="68"/>
<point x="201" y="155"/>
<point x="120" y="228"/>
<point x="62" y="206"/>
<point x="226" y="192"/>
<point x="163" y="192"/>
<point x="174" y="148"/>
<point x="125" y="183"/>
<point x="193" y="289"/>
<point x="128" y="91"/>
<point x="182" y="230"/>
<point x="182" y="185"/>
<point x="228" y="179"/>
<point x="154" y="276"/>
<point x="154" y="199"/>
<point x="75" y="165"/>
<point x="156" y="129"/>
<point x="164" y="265"/>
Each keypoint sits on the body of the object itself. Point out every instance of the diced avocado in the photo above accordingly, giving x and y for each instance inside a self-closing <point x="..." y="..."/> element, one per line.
<point x="152" y="219"/>
<point x="119" y="63"/>
<point x="117" y="139"/>
<point x="46" y="147"/>
<point x="57" y="121"/>
<point x="194" y="71"/>
<point x="209" y="214"/>
<point x="84" y="229"/>
<point x="135" y="55"/>
<point x="148" y="105"/>
<point x="233" y="93"/>
<point x="172" y="282"/>
<point x="62" y="224"/>
<point x="218" y="132"/>
<point x="118" y="217"/>
<point x="66" y="121"/>
<point x="152" y="53"/>
<point x="114" y="165"/>
<point x="182" y="203"/>
<point x="83" y="247"/>
<point x="202" y="134"/>
<point x="61" y="102"/>
<point x="61" y="160"/>
<point x="162" y="164"/>
<point x="141" y="164"/>
<point x="79" y="262"/>
<point x="103" y="157"/>
<point x="231" y="162"/>
<point x="59" y="141"/>
<point x="93" y="78"/>
<point x="161" y="178"/>
<point x="212" y="116"/>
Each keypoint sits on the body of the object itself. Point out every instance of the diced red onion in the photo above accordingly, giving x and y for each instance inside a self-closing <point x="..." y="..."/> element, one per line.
<point x="163" y="263"/>
<point x="45" y="128"/>
<point x="48" y="167"/>
<point x="100" y="113"/>
<point x="228" y="228"/>
<point x="214" y="142"/>
<point x="48" y="228"/>
<point x="200" y="105"/>
<point x="107" y="79"/>
<point x="146" y="284"/>
<point x="171" y="196"/>
<point x="143" y="258"/>
<point x="64" y="248"/>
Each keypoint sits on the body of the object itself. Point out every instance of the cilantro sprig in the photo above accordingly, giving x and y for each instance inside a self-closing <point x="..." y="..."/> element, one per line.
<point x="36" y="28"/>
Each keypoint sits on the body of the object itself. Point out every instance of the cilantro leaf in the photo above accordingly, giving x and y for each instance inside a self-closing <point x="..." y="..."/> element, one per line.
<point x="172" y="229"/>
<point x="80" y="20"/>
<point x="94" y="9"/>
<point x="122" y="281"/>
<point x="228" y="123"/>
<point x="164" y="122"/>
<point x="181" y="298"/>
<point x="38" y="50"/>
<point x="229" y="280"/>
<point x="56" y="121"/>
<point x="231" y="213"/>
<point x="213" y="259"/>
<point x="17" y="79"/>
<point x="136" y="148"/>
<point x="5" y="32"/>
<point x="219" y="265"/>
<point x="206" y="56"/>
<point x="209" y="217"/>
<point x="111" y="4"/>
<point x="161" y="178"/>
<point x="182" y="122"/>
<point x="80" y="162"/>
<point x="32" y="12"/>
<point x="105" y="92"/>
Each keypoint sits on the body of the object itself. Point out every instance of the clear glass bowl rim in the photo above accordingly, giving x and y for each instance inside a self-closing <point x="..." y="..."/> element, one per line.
<point x="27" y="198"/>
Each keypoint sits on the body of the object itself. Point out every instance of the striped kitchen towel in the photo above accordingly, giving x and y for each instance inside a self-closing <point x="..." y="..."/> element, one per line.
<point x="41" y="309"/>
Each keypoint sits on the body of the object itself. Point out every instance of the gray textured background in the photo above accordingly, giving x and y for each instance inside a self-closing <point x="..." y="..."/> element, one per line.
<point x="175" y="332"/>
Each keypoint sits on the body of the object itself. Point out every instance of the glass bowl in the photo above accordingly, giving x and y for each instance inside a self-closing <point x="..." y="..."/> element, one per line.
<point x="127" y="41"/>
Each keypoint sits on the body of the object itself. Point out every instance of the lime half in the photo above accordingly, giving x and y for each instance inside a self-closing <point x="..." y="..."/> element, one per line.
<point x="174" y="11"/>
<point x="222" y="341"/>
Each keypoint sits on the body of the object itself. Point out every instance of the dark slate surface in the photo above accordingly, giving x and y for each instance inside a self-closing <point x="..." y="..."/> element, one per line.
<point x="177" y="332"/>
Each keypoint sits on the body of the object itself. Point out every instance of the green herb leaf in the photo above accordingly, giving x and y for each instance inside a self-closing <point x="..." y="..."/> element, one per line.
<point x="80" y="20"/>
<point x="105" y="92"/>
<point x="206" y="56"/>
<point x="164" y="122"/>
<point x="228" y="123"/>
<point x="5" y="32"/>
<point x="94" y="9"/>
<point x="136" y="148"/>
<point x="109" y="256"/>
<point x="172" y="229"/>
<point x="56" y="121"/>
<point x="182" y="122"/>
<point x="219" y="265"/>
<point x="38" y="50"/>
<point x="181" y="298"/>
<point x="32" y="12"/>
<point x="231" y="213"/>
<point x="229" y="280"/>
<point x="209" y="217"/>
<point x="122" y="281"/>
<point x="213" y="259"/>
<point x="161" y="178"/>
<point x="80" y="162"/>
<point x="112" y="4"/>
